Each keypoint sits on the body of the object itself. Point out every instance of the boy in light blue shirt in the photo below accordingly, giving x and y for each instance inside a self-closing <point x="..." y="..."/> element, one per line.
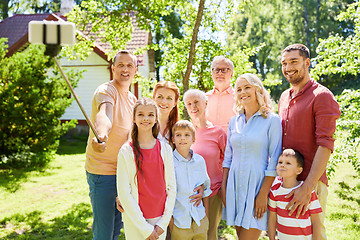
<point x="188" y="221"/>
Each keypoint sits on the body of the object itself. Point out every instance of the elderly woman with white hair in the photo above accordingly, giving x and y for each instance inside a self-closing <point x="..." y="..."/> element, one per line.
<point x="210" y="141"/>
<point x="253" y="146"/>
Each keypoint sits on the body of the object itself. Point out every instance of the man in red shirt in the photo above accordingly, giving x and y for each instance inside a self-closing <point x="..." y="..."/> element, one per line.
<point x="308" y="111"/>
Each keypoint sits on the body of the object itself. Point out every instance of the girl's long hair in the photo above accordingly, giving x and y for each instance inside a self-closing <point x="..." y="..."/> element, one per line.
<point x="262" y="95"/>
<point x="135" y="130"/>
<point x="174" y="113"/>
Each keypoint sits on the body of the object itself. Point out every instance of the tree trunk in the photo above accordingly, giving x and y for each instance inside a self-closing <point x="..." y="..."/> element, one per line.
<point x="318" y="4"/>
<point x="307" y="24"/>
<point x="192" y="49"/>
<point x="193" y="43"/>
<point x="157" y="56"/>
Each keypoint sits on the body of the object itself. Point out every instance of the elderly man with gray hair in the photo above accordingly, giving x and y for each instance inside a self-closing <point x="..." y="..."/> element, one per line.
<point x="221" y="98"/>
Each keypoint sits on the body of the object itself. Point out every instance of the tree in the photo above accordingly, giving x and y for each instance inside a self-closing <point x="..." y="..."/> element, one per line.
<point x="171" y="24"/>
<point x="339" y="56"/>
<point x="177" y="52"/>
<point x="279" y="23"/>
<point x="10" y="7"/>
<point x="33" y="98"/>
<point x="348" y="130"/>
<point x="192" y="45"/>
<point x="186" y="55"/>
<point x="111" y="22"/>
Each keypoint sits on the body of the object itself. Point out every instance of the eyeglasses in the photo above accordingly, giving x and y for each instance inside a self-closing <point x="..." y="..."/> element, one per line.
<point x="223" y="70"/>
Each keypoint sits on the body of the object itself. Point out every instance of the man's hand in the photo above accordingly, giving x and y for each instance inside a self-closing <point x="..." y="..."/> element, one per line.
<point x="153" y="236"/>
<point x="300" y="201"/>
<point x="118" y="205"/>
<point x="99" y="147"/>
<point x="197" y="198"/>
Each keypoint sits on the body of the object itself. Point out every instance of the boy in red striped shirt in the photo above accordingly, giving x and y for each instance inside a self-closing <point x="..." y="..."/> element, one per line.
<point x="307" y="226"/>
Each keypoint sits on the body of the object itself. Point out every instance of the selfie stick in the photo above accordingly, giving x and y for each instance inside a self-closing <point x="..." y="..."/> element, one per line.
<point x="52" y="50"/>
<point x="78" y="101"/>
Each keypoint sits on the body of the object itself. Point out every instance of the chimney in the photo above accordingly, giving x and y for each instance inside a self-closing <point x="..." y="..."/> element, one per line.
<point x="66" y="6"/>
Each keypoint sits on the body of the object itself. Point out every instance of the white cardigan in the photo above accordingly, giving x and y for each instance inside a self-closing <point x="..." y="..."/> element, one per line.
<point x="127" y="189"/>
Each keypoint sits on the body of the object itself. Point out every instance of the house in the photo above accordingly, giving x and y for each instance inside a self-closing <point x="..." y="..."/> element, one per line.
<point x="97" y="65"/>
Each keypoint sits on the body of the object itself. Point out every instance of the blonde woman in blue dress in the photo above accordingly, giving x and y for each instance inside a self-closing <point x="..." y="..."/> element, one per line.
<point x="252" y="151"/>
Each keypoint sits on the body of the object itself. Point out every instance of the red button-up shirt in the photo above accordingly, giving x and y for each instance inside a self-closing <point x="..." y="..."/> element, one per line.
<point x="309" y="121"/>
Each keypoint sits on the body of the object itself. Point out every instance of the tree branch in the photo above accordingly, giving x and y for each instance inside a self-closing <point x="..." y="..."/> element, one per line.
<point x="192" y="46"/>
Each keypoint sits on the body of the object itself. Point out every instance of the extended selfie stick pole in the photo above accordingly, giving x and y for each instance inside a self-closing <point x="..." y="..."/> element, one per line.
<point x="78" y="101"/>
<point x="49" y="33"/>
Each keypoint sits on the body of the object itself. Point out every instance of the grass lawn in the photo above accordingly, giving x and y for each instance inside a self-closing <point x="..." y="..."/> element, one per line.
<point x="53" y="203"/>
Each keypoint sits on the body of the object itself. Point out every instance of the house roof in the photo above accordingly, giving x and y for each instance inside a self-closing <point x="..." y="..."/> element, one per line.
<point x="15" y="28"/>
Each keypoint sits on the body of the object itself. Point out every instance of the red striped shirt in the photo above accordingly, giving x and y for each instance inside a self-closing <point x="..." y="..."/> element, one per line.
<point x="290" y="225"/>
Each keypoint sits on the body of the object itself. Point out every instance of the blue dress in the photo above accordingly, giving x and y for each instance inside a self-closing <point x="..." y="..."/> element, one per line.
<point x="252" y="152"/>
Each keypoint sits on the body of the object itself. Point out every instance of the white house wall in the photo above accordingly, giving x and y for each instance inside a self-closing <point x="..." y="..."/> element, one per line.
<point x="97" y="72"/>
<point x="144" y="70"/>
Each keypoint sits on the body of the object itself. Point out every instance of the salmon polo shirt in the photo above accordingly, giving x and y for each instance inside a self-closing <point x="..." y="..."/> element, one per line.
<point x="220" y="107"/>
<point x="309" y="121"/>
<point x="104" y="163"/>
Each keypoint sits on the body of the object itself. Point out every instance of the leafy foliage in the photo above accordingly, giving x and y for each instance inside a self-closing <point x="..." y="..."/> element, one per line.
<point x="176" y="50"/>
<point x="339" y="56"/>
<point x="278" y="23"/>
<point x="112" y="22"/>
<point x="11" y="7"/>
<point x="34" y="97"/>
<point x="349" y="128"/>
<point x="172" y="24"/>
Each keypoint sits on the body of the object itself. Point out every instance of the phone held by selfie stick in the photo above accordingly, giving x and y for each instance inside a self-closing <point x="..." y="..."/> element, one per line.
<point x="54" y="34"/>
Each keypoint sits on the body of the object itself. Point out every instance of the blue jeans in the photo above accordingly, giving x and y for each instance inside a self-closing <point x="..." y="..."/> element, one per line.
<point x="107" y="219"/>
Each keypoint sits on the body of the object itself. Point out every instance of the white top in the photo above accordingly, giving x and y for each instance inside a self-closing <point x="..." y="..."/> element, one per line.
<point x="127" y="189"/>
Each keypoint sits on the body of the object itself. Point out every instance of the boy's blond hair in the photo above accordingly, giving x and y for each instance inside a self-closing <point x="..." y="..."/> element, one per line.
<point x="181" y="124"/>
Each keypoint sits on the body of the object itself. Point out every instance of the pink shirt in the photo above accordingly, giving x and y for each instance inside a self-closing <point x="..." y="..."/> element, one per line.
<point x="210" y="144"/>
<point x="123" y="103"/>
<point x="221" y="107"/>
<point x="151" y="183"/>
<point x="309" y="121"/>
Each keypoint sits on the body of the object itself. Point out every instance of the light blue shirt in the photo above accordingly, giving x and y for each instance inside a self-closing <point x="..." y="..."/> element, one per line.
<point x="189" y="174"/>
<point x="252" y="152"/>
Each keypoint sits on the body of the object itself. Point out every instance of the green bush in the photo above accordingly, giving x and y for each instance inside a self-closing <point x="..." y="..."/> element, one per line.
<point x="348" y="130"/>
<point x="33" y="98"/>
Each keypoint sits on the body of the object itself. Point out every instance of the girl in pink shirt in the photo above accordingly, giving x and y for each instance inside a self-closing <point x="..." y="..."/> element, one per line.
<point x="145" y="177"/>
